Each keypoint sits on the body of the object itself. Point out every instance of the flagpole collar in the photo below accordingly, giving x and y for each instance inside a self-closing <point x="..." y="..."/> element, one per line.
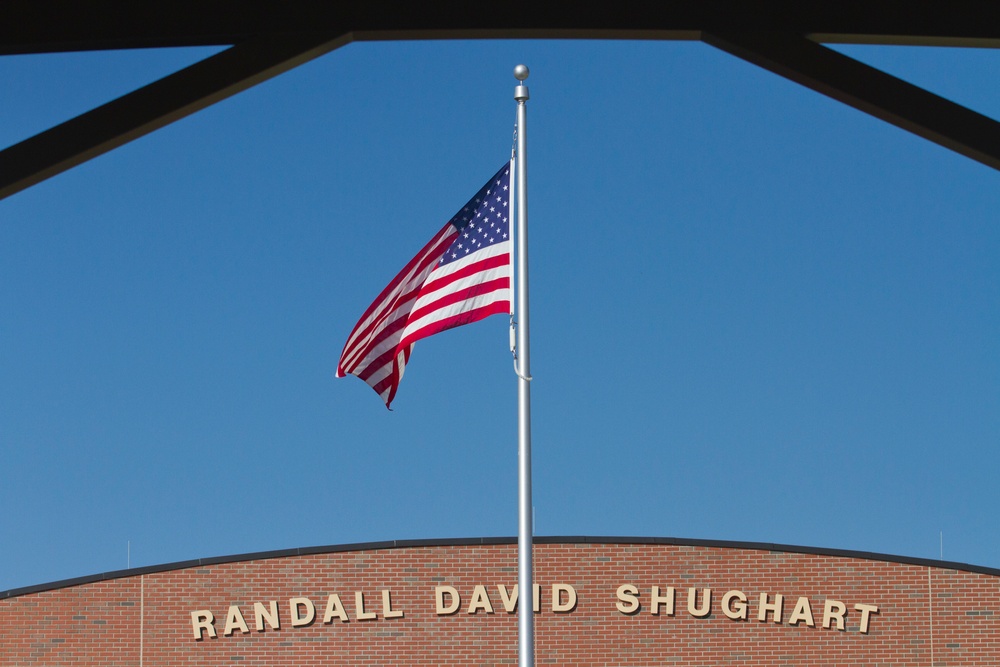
<point x="521" y="92"/>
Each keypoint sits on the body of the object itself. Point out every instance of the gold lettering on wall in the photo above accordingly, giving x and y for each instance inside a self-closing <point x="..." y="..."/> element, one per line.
<point x="563" y="598"/>
<point x="773" y="607"/>
<point x="454" y="600"/>
<point x="260" y="614"/>
<point x="735" y="610"/>
<point x="301" y="611"/>
<point x="802" y="613"/>
<point x="834" y="610"/>
<point x="387" y="610"/>
<point x="359" y="606"/>
<point x="667" y="600"/>
<point x="706" y="602"/>
<point x="480" y="600"/>
<point x="628" y="599"/>
<point x="866" y="611"/>
<point x="202" y="621"/>
<point x="509" y="600"/>
<point x="334" y="609"/>
<point x="734" y="605"/>
<point x="234" y="620"/>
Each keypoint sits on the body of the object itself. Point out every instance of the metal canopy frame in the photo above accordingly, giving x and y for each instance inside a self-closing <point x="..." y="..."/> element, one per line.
<point x="269" y="38"/>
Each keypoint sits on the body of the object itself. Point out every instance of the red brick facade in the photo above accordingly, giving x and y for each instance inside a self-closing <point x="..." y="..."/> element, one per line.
<point x="926" y="614"/>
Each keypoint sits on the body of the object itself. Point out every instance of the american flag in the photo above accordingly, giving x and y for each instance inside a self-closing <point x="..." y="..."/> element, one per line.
<point x="462" y="275"/>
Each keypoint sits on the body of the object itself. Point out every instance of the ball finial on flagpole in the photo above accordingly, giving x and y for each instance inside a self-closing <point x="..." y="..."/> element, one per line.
<point x="521" y="90"/>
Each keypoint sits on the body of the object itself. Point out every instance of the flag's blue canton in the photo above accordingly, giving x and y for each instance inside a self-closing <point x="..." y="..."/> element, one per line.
<point x="483" y="221"/>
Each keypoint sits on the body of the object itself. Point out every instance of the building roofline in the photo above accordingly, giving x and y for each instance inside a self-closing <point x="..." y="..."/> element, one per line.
<point x="489" y="541"/>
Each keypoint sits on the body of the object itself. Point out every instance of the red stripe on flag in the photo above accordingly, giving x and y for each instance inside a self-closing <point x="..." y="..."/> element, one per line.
<point x="495" y="308"/>
<point x="378" y="362"/>
<point x="450" y="298"/>
<point x="429" y="252"/>
<point x="376" y="333"/>
<point x="387" y="303"/>
<point x="391" y="381"/>
<point x="435" y="283"/>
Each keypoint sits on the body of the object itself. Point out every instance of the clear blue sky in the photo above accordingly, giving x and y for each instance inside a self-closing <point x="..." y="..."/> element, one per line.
<point x="757" y="314"/>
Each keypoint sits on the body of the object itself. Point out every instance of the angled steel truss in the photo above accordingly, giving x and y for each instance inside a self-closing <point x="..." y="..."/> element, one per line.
<point x="269" y="38"/>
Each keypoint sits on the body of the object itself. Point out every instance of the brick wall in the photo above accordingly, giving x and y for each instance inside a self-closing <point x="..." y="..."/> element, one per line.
<point x="926" y="615"/>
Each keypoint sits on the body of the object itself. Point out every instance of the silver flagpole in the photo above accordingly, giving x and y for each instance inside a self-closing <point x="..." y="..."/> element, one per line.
<point x="525" y="589"/>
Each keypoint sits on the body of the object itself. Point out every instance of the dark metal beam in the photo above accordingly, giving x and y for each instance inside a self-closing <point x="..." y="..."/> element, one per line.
<point x="36" y="26"/>
<point x="273" y="37"/>
<point x="158" y="104"/>
<point x="871" y="90"/>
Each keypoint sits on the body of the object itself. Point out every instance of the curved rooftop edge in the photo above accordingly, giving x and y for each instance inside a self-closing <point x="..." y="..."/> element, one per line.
<point x="480" y="541"/>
